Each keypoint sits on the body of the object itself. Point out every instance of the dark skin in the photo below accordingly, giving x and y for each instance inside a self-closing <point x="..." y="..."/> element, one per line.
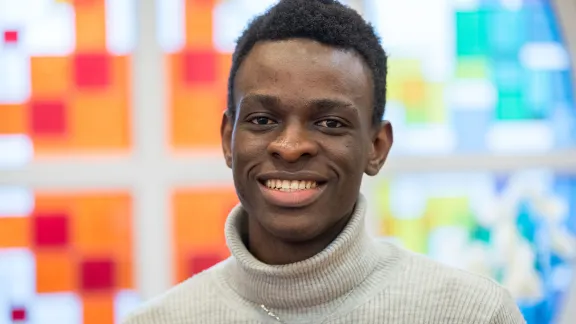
<point x="302" y="106"/>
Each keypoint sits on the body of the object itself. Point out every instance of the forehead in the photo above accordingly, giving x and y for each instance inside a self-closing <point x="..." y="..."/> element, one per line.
<point x="301" y="69"/>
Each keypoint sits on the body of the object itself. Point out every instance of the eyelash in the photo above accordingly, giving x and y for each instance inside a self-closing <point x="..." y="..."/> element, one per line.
<point x="253" y="121"/>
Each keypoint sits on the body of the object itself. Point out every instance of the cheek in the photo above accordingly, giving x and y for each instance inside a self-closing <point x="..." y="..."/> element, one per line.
<point x="246" y="147"/>
<point x="348" y="154"/>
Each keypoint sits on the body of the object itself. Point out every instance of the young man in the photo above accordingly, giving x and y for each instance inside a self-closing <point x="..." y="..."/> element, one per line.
<point x="306" y="97"/>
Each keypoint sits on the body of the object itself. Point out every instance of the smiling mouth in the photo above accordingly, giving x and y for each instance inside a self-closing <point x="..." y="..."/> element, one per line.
<point x="291" y="193"/>
<point x="290" y="185"/>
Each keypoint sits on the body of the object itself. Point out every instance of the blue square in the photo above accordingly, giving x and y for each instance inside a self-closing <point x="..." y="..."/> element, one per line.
<point x="538" y="88"/>
<point x="507" y="30"/>
<point x="471" y="127"/>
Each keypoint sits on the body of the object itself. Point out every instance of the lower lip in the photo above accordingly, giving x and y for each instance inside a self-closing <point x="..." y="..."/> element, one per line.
<point x="291" y="199"/>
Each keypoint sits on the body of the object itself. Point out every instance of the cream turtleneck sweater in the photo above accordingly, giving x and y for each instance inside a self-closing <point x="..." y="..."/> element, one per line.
<point x="354" y="280"/>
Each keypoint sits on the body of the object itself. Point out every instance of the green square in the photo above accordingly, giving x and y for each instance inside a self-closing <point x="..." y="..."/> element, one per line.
<point x="511" y="106"/>
<point x="416" y="115"/>
<point x="413" y="234"/>
<point x="436" y="105"/>
<point x="472" y="33"/>
<point x="472" y="68"/>
<point x="449" y="211"/>
<point x="382" y="198"/>
<point x="481" y="233"/>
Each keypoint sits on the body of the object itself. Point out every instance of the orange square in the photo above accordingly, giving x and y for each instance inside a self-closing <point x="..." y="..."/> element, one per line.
<point x="50" y="146"/>
<point x="224" y="65"/>
<point x="414" y="93"/>
<point x="125" y="272"/>
<point x="198" y="224"/>
<point x="90" y="25"/>
<point x="121" y="85"/>
<point x="99" y="121"/>
<point x="196" y="118"/>
<point x="55" y="272"/>
<point x="50" y="76"/>
<point x="201" y="3"/>
<point x="13" y="119"/>
<point x="200" y="214"/>
<point x="15" y="232"/>
<point x="199" y="26"/>
<point x="175" y="69"/>
<point x="102" y="224"/>
<point x="98" y="309"/>
<point x="52" y="201"/>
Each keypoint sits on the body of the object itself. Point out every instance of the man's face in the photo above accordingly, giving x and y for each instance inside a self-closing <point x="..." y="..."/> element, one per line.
<point x="302" y="137"/>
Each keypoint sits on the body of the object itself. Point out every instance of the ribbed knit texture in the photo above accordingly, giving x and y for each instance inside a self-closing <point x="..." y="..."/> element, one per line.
<point x="354" y="280"/>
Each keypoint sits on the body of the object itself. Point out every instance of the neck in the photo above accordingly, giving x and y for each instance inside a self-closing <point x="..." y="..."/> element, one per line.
<point x="325" y="276"/>
<point x="274" y="251"/>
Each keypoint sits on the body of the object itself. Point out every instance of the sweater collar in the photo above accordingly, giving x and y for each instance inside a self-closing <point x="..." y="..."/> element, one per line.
<point x="330" y="274"/>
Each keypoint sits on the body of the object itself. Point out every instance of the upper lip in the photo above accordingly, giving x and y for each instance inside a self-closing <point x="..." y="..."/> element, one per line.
<point x="284" y="175"/>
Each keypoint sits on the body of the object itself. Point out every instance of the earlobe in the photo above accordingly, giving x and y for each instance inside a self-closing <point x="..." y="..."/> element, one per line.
<point x="226" y="129"/>
<point x="380" y="147"/>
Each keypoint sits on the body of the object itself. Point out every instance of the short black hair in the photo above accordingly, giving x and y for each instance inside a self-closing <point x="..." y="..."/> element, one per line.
<point x="326" y="21"/>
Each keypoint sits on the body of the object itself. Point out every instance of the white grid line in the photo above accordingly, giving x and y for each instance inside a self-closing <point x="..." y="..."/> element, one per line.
<point x="196" y="171"/>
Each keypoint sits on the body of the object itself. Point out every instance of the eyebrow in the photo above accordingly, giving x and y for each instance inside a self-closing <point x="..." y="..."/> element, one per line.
<point x="265" y="100"/>
<point x="318" y="105"/>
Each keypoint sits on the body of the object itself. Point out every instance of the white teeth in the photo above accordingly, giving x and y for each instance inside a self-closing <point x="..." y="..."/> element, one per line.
<point x="293" y="185"/>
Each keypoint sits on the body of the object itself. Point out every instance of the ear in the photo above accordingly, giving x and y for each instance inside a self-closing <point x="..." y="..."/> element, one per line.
<point x="226" y="129"/>
<point x="382" y="139"/>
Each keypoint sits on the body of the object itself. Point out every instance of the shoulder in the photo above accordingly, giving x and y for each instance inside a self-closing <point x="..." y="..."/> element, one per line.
<point x="179" y="303"/>
<point x="463" y="296"/>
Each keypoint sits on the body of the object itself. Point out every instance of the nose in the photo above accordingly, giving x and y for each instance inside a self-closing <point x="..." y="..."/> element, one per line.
<point x="293" y="143"/>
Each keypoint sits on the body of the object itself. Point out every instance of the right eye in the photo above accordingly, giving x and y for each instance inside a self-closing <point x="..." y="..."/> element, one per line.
<point x="262" y="121"/>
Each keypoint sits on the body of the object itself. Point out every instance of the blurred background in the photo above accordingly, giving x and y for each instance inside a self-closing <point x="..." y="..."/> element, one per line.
<point x="113" y="188"/>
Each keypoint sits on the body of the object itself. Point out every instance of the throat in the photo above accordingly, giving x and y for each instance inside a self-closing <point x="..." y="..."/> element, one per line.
<point x="272" y="250"/>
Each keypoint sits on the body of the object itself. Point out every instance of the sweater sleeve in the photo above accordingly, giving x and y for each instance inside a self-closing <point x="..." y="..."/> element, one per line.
<point x="507" y="311"/>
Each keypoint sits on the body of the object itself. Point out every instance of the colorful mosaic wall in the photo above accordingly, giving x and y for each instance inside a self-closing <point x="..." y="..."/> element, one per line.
<point x="477" y="76"/>
<point x="64" y="84"/>
<point x="198" y="37"/>
<point x="65" y="257"/>
<point x="198" y="227"/>
<point x="457" y="69"/>
<point x="519" y="229"/>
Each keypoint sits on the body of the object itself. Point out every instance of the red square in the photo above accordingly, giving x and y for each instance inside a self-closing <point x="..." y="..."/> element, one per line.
<point x="199" y="67"/>
<point x="50" y="230"/>
<point x="10" y="36"/>
<point x="97" y="275"/>
<point x="92" y="70"/>
<point x="18" y="314"/>
<point x="202" y="262"/>
<point x="48" y="117"/>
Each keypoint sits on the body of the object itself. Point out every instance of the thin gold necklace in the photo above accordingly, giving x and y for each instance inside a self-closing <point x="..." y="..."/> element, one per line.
<point x="324" y="319"/>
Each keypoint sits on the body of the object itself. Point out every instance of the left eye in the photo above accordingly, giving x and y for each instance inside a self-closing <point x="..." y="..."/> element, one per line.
<point x="262" y="121"/>
<point x="330" y="123"/>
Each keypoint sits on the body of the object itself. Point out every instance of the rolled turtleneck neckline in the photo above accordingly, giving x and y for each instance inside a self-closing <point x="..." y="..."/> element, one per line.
<point x="334" y="272"/>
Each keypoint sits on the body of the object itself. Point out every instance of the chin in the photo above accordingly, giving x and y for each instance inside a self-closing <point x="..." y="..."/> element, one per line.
<point x="292" y="228"/>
